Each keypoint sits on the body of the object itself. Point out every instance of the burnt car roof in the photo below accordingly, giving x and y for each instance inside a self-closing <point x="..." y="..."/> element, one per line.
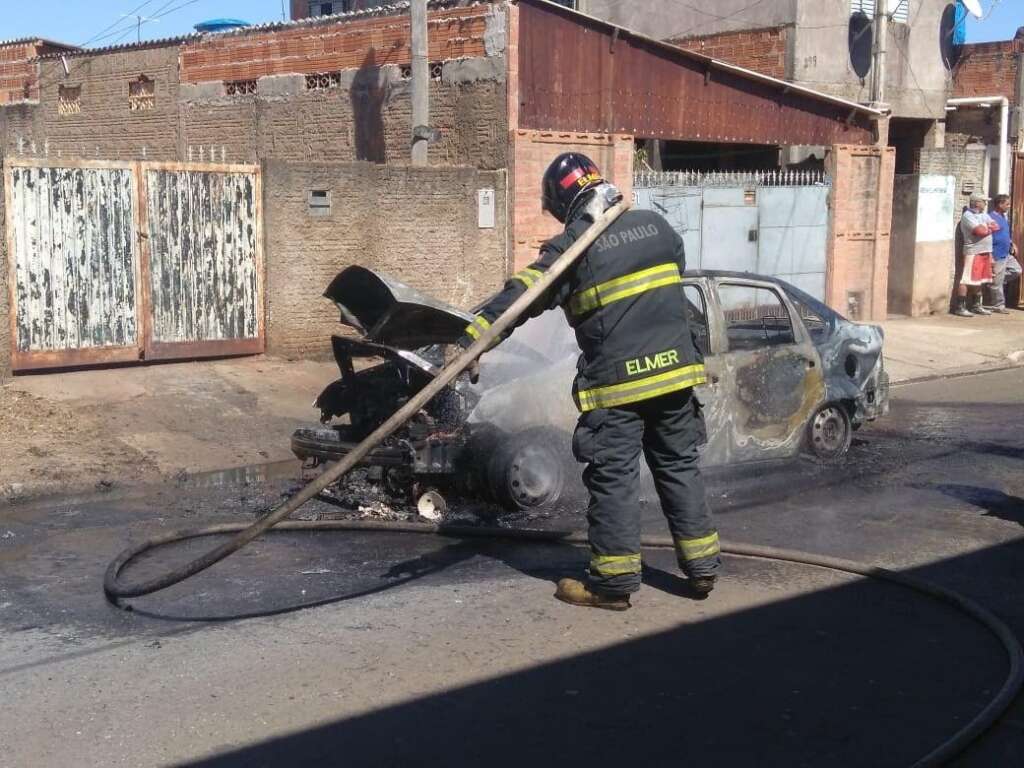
<point x="816" y="304"/>
<point x="387" y="311"/>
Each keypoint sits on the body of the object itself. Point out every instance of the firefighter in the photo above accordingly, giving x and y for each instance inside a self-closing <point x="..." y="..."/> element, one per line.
<point x="634" y="387"/>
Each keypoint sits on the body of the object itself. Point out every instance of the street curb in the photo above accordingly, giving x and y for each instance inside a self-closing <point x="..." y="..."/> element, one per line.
<point x="957" y="374"/>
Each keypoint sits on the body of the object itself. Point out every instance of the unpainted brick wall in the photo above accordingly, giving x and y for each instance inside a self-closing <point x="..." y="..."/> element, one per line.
<point x="17" y="73"/>
<point x="367" y="117"/>
<point x="419" y="225"/>
<point x="351" y="123"/>
<point x="532" y="153"/>
<point x="106" y="128"/>
<point x="988" y="69"/>
<point x="861" y="209"/>
<point x="453" y="34"/>
<point x="966" y="164"/>
<point x="763" y="50"/>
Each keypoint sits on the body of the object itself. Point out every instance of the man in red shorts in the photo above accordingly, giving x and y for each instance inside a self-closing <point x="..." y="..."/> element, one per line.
<point x="977" y="228"/>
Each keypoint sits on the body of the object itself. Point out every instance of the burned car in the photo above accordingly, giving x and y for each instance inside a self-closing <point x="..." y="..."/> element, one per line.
<point x="785" y="375"/>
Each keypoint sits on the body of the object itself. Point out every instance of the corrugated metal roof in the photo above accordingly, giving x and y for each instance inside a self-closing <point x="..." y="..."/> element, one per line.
<point x="37" y="40"/>
<point x="750" y="74"/>
<point x="393" y="9"/>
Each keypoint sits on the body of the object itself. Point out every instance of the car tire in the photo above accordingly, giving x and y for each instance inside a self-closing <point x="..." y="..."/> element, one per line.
<point x="527" y="472"/>
<point x="829" y="432"/>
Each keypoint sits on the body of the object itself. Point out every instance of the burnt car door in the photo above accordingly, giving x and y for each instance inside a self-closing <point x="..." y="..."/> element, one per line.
<point x="766" y="379"/>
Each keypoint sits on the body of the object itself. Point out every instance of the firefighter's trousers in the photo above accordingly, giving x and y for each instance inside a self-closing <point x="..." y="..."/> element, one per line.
<point x="668" y="430"/>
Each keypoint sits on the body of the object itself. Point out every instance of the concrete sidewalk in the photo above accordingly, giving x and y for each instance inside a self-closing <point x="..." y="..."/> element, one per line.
<point x="944" y="345"/>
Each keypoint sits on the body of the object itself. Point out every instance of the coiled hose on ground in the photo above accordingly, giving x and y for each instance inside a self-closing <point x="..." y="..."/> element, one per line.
<point x="937" y="757"/>
<point x="247" y="532"/>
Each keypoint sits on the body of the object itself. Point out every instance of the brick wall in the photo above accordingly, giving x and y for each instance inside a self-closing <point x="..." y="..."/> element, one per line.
<point x="858" y="255"/>
<point x="453" y="34"/>
<point x="988" y="69"/>
<point x="105" y="128"/>
<point x="17" y="73"/>
<point x="417" y="224"/>
<point x="532" y="152"/>
<point x="763" y="50"/>
<point x="365" y="114"/>
<point x="967" y="165"/>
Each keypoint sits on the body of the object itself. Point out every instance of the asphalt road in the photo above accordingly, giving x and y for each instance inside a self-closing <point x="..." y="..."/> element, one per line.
<point x="425" y="651"/>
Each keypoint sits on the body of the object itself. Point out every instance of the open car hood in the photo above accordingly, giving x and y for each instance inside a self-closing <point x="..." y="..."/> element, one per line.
<point x="389" y="312"/>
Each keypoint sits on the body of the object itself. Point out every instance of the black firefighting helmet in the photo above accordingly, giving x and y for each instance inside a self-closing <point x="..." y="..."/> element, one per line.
<point x="569" y="176"/>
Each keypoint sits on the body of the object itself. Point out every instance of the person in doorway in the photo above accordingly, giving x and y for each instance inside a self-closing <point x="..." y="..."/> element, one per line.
<point x="977" y="228"/>
<point x="1004" y="252"/>
<point x="634" y="387"/>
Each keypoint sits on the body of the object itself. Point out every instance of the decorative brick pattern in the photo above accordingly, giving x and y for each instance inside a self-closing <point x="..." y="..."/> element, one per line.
<point x="763" y="50"/>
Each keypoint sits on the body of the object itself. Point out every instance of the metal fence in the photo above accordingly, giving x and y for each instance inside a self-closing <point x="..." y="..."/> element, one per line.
<point x="773" y="178"/>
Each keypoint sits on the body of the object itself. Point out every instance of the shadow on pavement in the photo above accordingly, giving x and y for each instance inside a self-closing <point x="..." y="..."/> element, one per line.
<point x="994" y="502"/>
<point x="860" y="674"/>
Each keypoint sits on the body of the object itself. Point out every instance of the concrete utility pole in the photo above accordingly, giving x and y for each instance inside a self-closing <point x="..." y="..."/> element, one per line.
<point x="420" y="83"/>
<point x="881" y="32"/>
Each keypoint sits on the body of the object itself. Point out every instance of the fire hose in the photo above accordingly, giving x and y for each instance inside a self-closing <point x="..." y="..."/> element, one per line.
<point x="276" y="519"/>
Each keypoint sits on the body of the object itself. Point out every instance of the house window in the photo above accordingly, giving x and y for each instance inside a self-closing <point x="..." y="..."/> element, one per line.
<point x="69" y="99"/>
<point x="328" y="9"/>
<point x="141" y="94"/>
<point x="322" y="81"/>
<point x="240" y="87"/>
<point x="899" y="10"/>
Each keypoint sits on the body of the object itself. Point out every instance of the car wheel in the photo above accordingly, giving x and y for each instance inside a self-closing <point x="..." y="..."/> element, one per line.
<point x="527" y="472"/>
<point x="830" y="432"/>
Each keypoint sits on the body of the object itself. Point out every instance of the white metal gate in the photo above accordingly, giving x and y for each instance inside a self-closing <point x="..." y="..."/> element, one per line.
<point x="773" y="223"/>
<point x="116" y="262"/>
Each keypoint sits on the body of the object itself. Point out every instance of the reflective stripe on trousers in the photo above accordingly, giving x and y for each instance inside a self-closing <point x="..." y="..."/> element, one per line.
<point x="689" y="550"/>
<point x="623" y="287"/>
<point x="615" y="565"/>
<point x="636" y="391"/>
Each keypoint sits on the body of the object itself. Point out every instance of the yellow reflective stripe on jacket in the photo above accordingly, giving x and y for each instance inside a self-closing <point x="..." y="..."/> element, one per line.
<point x="623" y="287"/>
<point x="615" y="565"/>
<point x="641" y="389"/>
<point x="696" y="549"/>
<point x="528" y="276"/>
<point x="478" y="326"/>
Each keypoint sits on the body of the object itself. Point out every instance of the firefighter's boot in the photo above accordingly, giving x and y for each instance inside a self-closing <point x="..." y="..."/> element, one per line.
<point x="702" y="585"/>
<point x="576" y="592"/>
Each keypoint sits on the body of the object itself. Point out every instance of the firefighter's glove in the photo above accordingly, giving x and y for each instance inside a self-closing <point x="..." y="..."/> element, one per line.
<point x="454" y="351"/>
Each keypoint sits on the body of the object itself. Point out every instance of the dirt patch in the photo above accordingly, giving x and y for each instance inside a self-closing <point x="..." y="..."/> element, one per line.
<point x="47" y="447"/>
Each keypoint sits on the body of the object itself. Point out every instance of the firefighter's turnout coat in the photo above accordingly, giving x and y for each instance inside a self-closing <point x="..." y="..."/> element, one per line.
<point x="624" y="299"/>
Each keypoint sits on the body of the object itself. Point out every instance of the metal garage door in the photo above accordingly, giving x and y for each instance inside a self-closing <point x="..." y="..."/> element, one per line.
<point x="117" y="262"/>
<point x="772" y="223"/>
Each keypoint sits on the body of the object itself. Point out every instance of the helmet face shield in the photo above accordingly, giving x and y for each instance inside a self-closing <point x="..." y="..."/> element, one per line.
<point x="569" y="176"/>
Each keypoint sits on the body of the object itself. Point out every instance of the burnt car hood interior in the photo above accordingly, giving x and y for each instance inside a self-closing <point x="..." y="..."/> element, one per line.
<point x="386" y="311"/>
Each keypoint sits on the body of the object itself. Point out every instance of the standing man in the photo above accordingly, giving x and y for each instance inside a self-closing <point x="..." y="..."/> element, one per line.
<point x="1003" y="253"/>
<point x="634" y="387"/>
<point x="977" y="228"/>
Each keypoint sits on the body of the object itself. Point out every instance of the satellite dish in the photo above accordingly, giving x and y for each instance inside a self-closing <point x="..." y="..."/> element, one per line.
<point x="974" y="8"/>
